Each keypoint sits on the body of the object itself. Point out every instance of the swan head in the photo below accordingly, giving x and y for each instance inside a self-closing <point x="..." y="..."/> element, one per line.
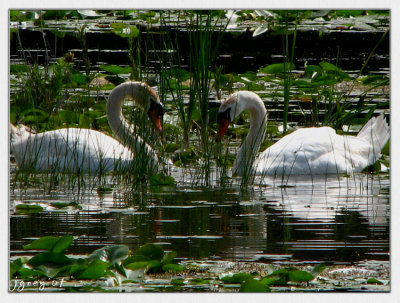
<point x="155" y="112"/>
<point x="227" y="112"/>
<point x="235" y="104"/>
<point x="150" y="101"/>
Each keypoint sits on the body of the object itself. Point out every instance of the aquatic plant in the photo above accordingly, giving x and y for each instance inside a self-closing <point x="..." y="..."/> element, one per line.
<point x="113" y="262"/>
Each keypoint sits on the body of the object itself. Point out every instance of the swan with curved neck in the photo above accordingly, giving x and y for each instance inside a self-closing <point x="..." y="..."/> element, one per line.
<point x="307" y="151"/>
<point x="85" y="150"/>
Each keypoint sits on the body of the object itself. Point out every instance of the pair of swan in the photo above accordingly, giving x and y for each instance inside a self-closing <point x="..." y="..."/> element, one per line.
<point x="90" y="151"/>
<point x="305" y="151"/>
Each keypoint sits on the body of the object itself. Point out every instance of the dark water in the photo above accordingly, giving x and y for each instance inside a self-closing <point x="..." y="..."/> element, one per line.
<point x="328" y="219"/>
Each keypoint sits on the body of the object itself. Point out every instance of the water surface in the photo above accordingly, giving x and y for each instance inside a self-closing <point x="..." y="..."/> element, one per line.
<point x="339" y="219"/>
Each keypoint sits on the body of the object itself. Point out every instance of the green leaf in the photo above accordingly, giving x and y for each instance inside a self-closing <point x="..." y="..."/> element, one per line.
<point x="372" y="79"/>
<point x="160" y="179"/>
<point x="177" y="281"/>
<point x="374" y="281"/>
<point x="111" y="254"/>
<point x="199" y="281"/>
<point x="117" y="253"/>
<point x="150" y="250"/>
<point x="329" y="66"/>
<point x="115" y="69"/>
<point x="237" y="278"/>
<point x="319" y="268"/>
<point x="28" y="208"/>
<point x="43" y="243"/>
<point x="50" y="259"/>
<point x="76" y="269"/>
<point x="177" y="73"/>
<point x="135" y="258"/>
<point x="18" y="68"/>
<point x="169" y="257"/>
<point x="155" y="265"/>
<point x="100" y="254"/>
<point x="125" y="31"/>
<point x="172" y="267"/>
<point x="300" y="276"/>
<point x="29" y="273"/>
<point x="251" y="285"/>
<point x="277" y="68"/>
<point x="274" y="281"/>
<point x="14" y="267"/>
<point x="78" y="78"/>
<point x="95" y="270"/>
<point x="62" y="244"/>
<point x="137" y="265"/>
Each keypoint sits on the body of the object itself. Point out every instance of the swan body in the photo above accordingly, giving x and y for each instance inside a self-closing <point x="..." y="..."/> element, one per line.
<point x="90" y="151"/>
<point x="307" y="151"/>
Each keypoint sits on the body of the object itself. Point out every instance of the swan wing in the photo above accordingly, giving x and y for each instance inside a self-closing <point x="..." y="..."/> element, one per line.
<point x="313" y="151"/>
<point x="70" y="149"/>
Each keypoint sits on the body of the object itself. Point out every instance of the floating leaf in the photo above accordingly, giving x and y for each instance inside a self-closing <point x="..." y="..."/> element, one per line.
<point x="261" y="30"/>
<point x="29" y="273"/>
<point x="199" y="281"/>
<point x="274" y="280"/>
<point x="137" y="265"/>
<point x="236" y="278"/>
<point x="116" y="69"/>
<point x="172" y="267"/>
<point x="169" y="257"/>
<point x="319" y="268"/>
<point x="329" y="66"/>
<point x="374" y="281"/>
<point x="62" y="244"/>
<point x="177" y="73"/>
<point x="95" y="270"/>
<point x="251" y="285"/>
<point x="277" y="68"/>
<point x="28" y="208"/>
<point x="178" y="281"/>
<point x="150" y="250"/>
<point x="300" y="276"/>
<point x="50" y="259"/>
<point x="125" y="31"/>
<point x="160" y="179"/>
<point x="15" y="266"/>
<point x="117" y="253"/>
<point x="135" y="258"/>
<point x="43" y="243"/>
<point x="78" y="78"/>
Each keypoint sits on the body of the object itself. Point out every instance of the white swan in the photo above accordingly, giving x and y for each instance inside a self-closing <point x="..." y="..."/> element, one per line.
<point x="90" y="151"/>
<point x="308" y="151"/>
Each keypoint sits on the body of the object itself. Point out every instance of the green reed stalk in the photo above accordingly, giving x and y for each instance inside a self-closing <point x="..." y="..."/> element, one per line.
<point x="204" y="38"/>
<point x="289" y="57"/>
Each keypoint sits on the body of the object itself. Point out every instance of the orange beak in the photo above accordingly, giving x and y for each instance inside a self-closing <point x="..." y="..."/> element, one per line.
<point x="156" y="119"/>
<point x="223" y="126"/>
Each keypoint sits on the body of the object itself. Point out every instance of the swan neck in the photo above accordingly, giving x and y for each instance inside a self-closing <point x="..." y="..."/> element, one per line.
<point x="258" y="124"/>
<point x="136" y="91"/>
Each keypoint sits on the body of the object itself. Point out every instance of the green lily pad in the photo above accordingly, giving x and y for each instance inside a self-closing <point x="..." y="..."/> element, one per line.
<point x="251" y="285"/>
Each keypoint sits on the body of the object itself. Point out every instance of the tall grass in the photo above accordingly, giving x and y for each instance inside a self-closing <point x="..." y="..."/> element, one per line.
<point x="204" y="33"/>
